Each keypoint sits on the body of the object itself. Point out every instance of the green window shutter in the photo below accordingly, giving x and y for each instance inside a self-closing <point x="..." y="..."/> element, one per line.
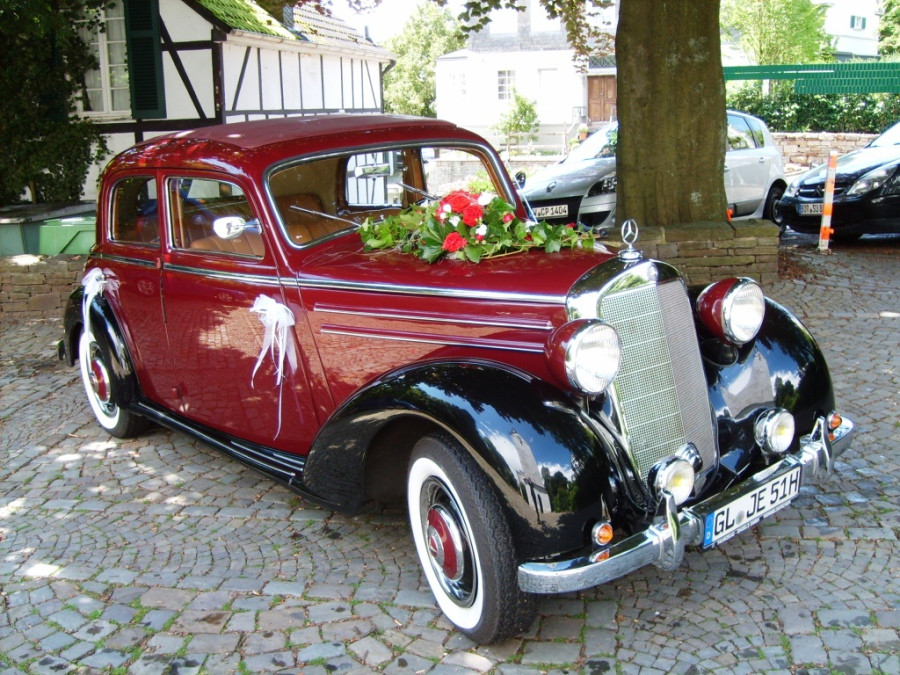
<point x="148" y="99"/>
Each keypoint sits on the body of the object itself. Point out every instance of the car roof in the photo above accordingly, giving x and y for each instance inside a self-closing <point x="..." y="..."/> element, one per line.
<point x="249" y="147"/>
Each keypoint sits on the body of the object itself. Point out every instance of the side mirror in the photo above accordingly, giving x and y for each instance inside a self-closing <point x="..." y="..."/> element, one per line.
<point x="520" y="179"/>
<point x="231" y="227"/>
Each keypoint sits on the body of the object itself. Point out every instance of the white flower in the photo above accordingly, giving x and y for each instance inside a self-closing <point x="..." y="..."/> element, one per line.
<point x="454" y="220"/>
<point x="481" y="230"/>
<point x="486" y="198"/>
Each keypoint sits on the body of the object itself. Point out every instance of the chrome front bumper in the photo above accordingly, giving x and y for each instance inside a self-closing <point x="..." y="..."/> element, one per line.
<point x="663" y="543"/>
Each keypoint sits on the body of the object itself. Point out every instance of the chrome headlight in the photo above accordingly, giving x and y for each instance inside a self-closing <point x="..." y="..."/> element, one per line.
<point x="870" y="181"/>
<point x="732" y="309"/>
<point x="774" y="431"/>
<point x="675" y="476"/>
<point x="585" y="355"/>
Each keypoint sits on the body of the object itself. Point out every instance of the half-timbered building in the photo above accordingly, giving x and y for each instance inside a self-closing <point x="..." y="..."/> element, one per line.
<point x="169" y="65"/>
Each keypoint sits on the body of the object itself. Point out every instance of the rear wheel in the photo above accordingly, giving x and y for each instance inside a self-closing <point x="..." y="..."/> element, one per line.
<point x="101" y="391"/>
<point x="464" y="543"/>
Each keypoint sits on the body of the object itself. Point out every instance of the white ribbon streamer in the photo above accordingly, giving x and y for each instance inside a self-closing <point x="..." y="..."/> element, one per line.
<point x="94" y="282"/>
<point x="277" y="341"/>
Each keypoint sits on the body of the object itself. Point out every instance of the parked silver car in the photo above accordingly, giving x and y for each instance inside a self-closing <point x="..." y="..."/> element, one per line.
<point x="582" y="187"/>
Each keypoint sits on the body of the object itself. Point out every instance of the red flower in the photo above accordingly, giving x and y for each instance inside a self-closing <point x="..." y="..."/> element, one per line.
<point x="457" y="200"/>
<point x="571" y="226"/>
<point x="471" y="214"/>
<point x="508" y="217"/>
<point x="454" y="242"/>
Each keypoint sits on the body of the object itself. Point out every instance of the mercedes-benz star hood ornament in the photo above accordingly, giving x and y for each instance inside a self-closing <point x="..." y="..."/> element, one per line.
<point x="630" y="231"/>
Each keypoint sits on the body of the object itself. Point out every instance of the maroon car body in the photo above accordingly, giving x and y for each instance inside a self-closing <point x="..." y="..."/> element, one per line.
<point x="230" y="297"/>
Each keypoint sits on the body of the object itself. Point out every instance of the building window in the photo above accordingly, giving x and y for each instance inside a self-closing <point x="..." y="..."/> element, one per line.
<point x="506" y="83"/>
<point x="858" y="22"/>
<point x="106" y="89"/>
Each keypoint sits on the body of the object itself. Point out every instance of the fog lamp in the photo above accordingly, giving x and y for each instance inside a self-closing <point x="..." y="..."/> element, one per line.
<point x="774" y="431"/>
<point x="674" y="475"/>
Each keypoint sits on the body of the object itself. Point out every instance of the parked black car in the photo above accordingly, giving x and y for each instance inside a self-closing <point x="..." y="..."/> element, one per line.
<point x="866" y="192"/>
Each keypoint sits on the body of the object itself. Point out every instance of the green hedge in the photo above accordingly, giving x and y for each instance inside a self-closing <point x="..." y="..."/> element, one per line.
<point x="787" y="111"/>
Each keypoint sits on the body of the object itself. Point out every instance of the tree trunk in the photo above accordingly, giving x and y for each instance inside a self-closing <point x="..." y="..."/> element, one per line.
<point x="671" y="104"/>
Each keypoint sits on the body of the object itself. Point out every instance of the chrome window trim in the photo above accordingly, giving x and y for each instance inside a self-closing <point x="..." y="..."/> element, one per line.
<point x="425" y="291"/>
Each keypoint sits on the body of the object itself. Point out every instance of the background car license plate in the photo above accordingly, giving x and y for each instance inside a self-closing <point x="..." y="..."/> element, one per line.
<point x="749" y="509"/>
<point x="810" y="209"/>
<point x="550" y="211"/>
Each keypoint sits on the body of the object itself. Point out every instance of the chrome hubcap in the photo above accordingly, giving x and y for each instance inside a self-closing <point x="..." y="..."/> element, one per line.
<point x="449" y="548"/>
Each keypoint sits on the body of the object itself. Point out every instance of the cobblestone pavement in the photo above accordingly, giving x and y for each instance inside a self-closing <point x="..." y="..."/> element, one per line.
<point x="159" y="555"/>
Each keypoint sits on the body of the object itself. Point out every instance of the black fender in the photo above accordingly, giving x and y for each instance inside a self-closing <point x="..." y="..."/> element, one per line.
<point x="108" y="335"/>
<point x="786" y="369"/>
<point x="551" y="470"/>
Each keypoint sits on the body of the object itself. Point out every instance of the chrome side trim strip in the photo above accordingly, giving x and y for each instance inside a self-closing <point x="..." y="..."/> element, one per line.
<point x="412" y="316"/>
<point x="140" y="262"/>
<point x="256" y="279"/>
<point x="455" y="293"/>
<point x="482" y="343"/>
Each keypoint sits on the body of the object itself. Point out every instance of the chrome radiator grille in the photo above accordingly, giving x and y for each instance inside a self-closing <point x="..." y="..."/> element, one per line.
<point x="660" y="392"/>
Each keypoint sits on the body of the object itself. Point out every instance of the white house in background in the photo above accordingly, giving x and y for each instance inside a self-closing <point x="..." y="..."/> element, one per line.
<point x="169" y="65"/>
<point x="854" y="26"/>
<point x="525" y="52"/>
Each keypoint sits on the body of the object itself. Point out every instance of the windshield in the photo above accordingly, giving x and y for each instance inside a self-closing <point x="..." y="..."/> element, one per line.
<point x="601" y="143"/>
<point x="889" y="137"/>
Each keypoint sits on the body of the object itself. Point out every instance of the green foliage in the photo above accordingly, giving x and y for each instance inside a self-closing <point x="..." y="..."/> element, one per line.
<point x="520" y="122"/>
<point x="889" y="28"/>
<point x="409" y="87"/>
<point x="787" y="111"/>
<point x="778" y="31"/>
<point x="46" y="146"/>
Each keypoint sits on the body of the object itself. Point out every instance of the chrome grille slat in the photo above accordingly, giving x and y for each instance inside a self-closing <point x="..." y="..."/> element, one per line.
<point x="660" y="390"/>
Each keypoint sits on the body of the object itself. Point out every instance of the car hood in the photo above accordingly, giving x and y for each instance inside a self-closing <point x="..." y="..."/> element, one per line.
<point x="854" y="164"/>
<point x="567" y="178"/>
<point x="546" y="277"/>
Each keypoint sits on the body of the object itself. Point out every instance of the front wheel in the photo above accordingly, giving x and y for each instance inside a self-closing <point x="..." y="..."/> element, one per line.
<point x="772" y="210"/>
<point x="101" y="393"/>
<point x="464" y="543"/>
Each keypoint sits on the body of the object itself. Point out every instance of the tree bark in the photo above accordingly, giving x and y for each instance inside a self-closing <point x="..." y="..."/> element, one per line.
<point x="671" y="107"/>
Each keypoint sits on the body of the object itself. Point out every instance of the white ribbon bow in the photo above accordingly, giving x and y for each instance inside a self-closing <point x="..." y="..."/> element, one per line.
<point x="277" y="319"/>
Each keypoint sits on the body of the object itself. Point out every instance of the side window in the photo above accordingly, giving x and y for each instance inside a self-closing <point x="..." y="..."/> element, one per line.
<point x="739" y="135"/>
<point x="212" y="215"/>
<point x="756" y="129"/>
<point x="135" y="211"/>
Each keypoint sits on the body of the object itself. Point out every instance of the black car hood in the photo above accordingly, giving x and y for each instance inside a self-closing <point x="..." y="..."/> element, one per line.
<point x="854" y="164"/>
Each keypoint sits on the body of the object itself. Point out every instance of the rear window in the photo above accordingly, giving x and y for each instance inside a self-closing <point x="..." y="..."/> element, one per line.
<point x="135" y="211"/>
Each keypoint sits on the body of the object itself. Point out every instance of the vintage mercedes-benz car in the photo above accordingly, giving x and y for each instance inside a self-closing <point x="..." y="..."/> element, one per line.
<point x="551" y="419"/>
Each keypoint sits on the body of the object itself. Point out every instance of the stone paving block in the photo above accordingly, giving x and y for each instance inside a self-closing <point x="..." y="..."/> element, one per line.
<point x="370" y="652"/>
<point x="281" y="619"/>
<point x="264" y="663"/>
<point x="167" y="598"/>
<point x="551" y="653"/>
<point x="200" y="621"/>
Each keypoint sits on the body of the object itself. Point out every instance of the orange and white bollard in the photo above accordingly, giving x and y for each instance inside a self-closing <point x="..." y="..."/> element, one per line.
<point x="825" y="230"/>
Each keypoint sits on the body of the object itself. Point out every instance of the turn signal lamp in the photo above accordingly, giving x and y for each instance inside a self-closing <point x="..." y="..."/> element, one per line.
<point x="602" y="533"/>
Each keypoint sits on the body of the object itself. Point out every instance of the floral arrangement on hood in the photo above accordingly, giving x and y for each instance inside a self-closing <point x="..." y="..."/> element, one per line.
<point x="467" y="226"/>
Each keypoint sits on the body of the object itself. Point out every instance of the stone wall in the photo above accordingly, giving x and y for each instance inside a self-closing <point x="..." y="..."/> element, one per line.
<point x="707" y="252"/>
<point x="803" y="150"/>
<point x="35" y="287"/>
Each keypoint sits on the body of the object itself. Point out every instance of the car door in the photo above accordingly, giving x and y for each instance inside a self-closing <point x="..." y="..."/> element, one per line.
<point x="225" y="364"/>
<point x="746" y="168"/>
<point x="131" y="262"/>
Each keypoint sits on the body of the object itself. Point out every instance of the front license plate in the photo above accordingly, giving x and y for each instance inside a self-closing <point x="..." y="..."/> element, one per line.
<point x="551" y="211"/>
<point x="814" y="209"/>
<point x="749" y="509"/>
